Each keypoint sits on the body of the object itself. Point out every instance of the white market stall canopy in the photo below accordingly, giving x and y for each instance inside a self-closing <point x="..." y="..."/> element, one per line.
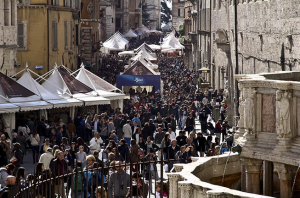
<point x="9" y="108"/>
<point x="126" y="53"/>
<point x="146" y="47"/>
<point x="140" y="67"/>
<point x="100" y="86"/>
<point x="116" y="42"/>
<point x="14" y="96"/>
<point x="62" y="83"/>
<point x="130" y="34"/>
<point x="143" y="54"/>
<point x="171" y="42"/>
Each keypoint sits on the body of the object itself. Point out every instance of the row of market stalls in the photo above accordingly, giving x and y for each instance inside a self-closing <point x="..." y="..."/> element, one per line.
<point x="57" y="89"/>
<point x="119" y="42"/>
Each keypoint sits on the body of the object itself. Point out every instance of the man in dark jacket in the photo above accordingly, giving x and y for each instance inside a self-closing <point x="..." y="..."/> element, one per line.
<point x="172" y="150"/>
<point x="163" y="111"/>
<point x="41" y="130"/>
<point x="201" y="141"/>
<point x="181" y="139"/>
<point x="59" y="167"/>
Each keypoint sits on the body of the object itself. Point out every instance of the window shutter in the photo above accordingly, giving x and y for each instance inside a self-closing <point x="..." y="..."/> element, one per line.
<point x="21" y="35"/>
<point x="54" y="29"/>
<point x="71" y="35"/>
<point x="66" y="34"/>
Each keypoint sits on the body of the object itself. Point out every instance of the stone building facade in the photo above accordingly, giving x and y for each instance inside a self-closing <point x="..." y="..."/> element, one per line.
<point x="8" y="36"/>
<point x="267" y="38"/>
<point x="178" y="13"/>
<point x="91" y="24"/>
<point x="128" y="15"/>
<point x="269" y="130"/>
<point x="48" y="34"/>
<point x="154" y="9"/>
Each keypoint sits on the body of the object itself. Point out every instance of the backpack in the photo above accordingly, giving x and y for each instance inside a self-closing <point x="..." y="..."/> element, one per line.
<point x="141" y="153"/>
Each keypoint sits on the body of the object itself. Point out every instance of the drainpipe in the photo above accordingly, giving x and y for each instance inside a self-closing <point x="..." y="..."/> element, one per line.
<point x="236" y="58"/>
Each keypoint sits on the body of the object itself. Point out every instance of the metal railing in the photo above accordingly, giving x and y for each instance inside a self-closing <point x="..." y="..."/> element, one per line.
<point x="79" y="183"/>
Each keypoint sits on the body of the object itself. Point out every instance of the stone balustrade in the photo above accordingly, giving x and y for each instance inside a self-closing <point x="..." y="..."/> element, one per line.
<point x="199" y="178"/>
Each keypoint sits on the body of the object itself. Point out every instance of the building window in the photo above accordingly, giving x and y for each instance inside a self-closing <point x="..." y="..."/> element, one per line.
<point x="71" y="35"/>
<point x="55" y="2"/>
<point x="77" y="35"/>
<point x="22" y="36"/>
<point x="7" y="12"/>
<point x="112" y="20"/>
<point x="118" y="22"/>
<point x="178" y="12"/>
<point x="66" y="34"/>
<point x="54" y="36"/>
<point x="13" y="12"/>
<point x="220" y="4"/>
<point x="119" y="4"/>
<point x="77" y="4"/>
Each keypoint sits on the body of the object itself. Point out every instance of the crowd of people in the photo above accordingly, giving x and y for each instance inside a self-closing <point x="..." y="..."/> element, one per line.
<point x="143" y="134"/>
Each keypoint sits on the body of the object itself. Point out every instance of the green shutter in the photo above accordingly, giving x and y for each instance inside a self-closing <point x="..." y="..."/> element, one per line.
<point x="66" y="34"/>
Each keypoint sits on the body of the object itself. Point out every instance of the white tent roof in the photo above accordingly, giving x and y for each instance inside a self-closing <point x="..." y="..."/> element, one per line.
<point x="155" y="47"/>
<point x="116" y="42"/>
<point x="97" y="84"/>
<point x="8" y="108"/>
<point x="143" y="54"/>
<point x="35" y="105"/>
<point x="126" y="53"/>
<point x="27" y="81"/>
<point x="57" y="85"/>
<point x="130" y="34"/>
<point x="171" y="41"/>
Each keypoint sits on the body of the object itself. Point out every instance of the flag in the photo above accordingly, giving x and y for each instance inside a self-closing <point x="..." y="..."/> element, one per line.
<point x="176" y="34"/>
<point x="140" y="4"/>
<point x="101" y="22"/>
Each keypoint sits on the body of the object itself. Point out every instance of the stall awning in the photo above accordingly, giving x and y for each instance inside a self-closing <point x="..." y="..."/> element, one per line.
<point x="69" y="102"/>
<point x="97" y="100"/>
<point x="32" y="106"/>
<point x="8" y="108"/>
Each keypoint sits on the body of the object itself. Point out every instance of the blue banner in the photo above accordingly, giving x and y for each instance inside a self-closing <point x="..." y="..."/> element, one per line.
<point x="139" y="80"/>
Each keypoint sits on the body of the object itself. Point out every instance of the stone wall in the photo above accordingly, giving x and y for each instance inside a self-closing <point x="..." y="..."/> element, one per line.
<point x="266" y="32"/>
<point x="8" y="36"/>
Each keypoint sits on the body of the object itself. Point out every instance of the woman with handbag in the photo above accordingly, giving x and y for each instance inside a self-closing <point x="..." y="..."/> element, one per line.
<point x="35" y="142"/>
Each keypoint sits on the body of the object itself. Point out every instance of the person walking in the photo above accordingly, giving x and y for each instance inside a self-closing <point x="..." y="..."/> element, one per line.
<point x="127" y="130"/>
<point x="59" y="167"/>
<point x="35" y="145"/>
<point x="119" y="182"/>
<point x="46" y="158"/>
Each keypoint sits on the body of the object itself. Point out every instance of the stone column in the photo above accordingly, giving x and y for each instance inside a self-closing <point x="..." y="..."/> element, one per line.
<point x="253" y="168"/>
<point x="186" y="189"/>
<point x="174" y="191"/>
<point x="243" y="176"/>
<point x="285" y="173"/>
<point x="268" y="178"/>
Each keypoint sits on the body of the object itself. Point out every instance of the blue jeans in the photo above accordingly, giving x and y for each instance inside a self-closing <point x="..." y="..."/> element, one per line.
<point x="127" y="139"/>
<point x="35" y="149"/>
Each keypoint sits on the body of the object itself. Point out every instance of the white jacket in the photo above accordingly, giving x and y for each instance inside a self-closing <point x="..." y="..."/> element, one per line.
<point x="45" y="159"/>
<point x="95" y="145"/>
